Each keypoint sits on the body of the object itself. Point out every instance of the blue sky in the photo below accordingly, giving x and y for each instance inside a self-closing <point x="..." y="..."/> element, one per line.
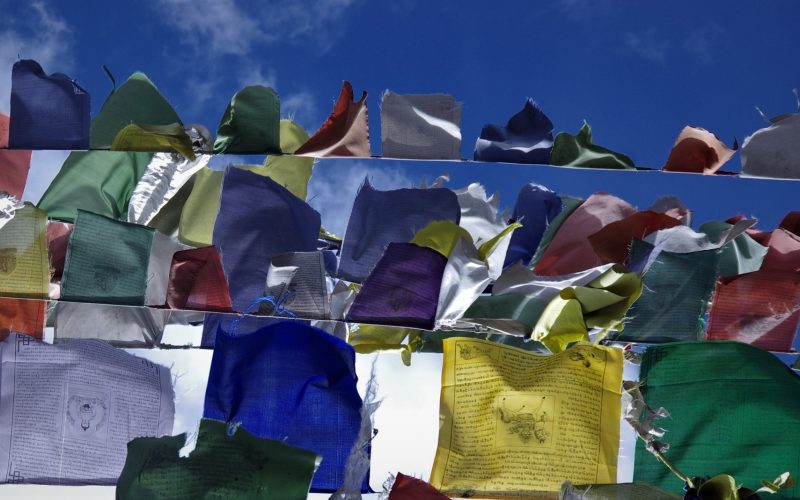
<point x="637" y="71"/>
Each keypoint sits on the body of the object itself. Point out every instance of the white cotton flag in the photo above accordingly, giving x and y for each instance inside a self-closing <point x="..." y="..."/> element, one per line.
<point x="422" y="126"/>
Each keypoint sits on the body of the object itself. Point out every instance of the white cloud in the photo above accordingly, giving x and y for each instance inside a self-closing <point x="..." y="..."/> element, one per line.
<point x="701" y="43"/>
<point x="334" y="185"/>
<point x="46" y="38"/>
<point x="648" y="45"/>
<point x="254" y="75"/>
<point x="44" y="167"/>
<point x="302" y="108"/>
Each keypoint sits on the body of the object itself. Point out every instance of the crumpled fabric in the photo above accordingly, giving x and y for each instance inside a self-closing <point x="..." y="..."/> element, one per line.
<point x="147" y="138"/>
<point x="305" y="395"/>
<point x="465" y="277"/>
<point x="367" y="339"/>
<point x="251" y="123"/>
<point x="699" y="151"/>
<point x="420" y="126"/>
<point x="382" y="217"/>
<point x="740" y="255"/>
<point x="571" y="251"/>
<point x="783" y="252"/>
<point x="774" y="151"/>
<point x="197" y="281"/>
<point x="302" y="290"/>
<point x="9" y="205"/>
<point x="196" y="226"/>
<point x="683" y="239"/>
<point x="761" y="308"/>
<point x="48" y="111"/>
<point x="410" y="488"/>
<point x="97" y="181"/>
<point x="579" y="151"/>
<point x="22" y="316"/>
<point x="526" y="138"/>
<point x="14" y="165"/>
<point x="345" y="132"/>
<point x="612" y="243"/>
<point x="135" y="101"/>
<point x="536" y="208"/>
<point x="601" y="304"/>
<point x="120" y="326"/>
<point x="674" y="207"/>
<point x="402" y="289"/>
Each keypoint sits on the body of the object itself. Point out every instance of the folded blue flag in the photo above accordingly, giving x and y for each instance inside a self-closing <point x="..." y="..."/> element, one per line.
<point x="536" y="207"/>
<point x="527" y="138"/>
<point x="292" y="383"/>
<point x="47" y="111"/>
<point x="382" y="217"/>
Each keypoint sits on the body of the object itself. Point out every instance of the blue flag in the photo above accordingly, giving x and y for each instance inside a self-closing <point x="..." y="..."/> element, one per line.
<point x="535" y="209"/>
<point x="527" y="138"/>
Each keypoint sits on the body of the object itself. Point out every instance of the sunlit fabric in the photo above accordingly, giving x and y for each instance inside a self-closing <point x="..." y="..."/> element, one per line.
<point x="106" y="261"/>
<point x="250" y="124"/>
<point x="121" y="326"/>
<point x="733" y="409"/>
<point x="579" y="151"/>
<point x="292" y="383"/>
<point x="568" y="205"/>
<point x="423" y="126"/>
<point x="760" y="308"/>
<point x="14" y="165"/>
<point x="135" y="101"/>
<point x="97" y="181"/>
<point x="526" y="138"/>
<point x="612" y="243"/>
<point x="697" y="150"/>
<point x="402" y="289"/>
<point x="773" y="151"/>
<point x="571" y="251"/>
<point x="535" y="209"/>
<point x="382" y="217"/>
<point x="345" y="132"/>
<point x="197" y="281"/>
<point x="170" y="138"/>
<point x="291" y="172"/>
<point x="22" y="316"/>
<point x="199" y="213"/>
<point x="297" y="280"/>
<point x="677" y="288"/>
<point x="741" y="255"/>
<point x="224" y="464"/>
<point x="783" y="253"/>
<point x="47" y="111"/>
<point x="410" y="488"/>
<point x="24" y="269"/>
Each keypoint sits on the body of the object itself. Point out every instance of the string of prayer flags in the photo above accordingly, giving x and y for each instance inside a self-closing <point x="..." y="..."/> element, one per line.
<point x="420" y="126"/>
<point x="14" y="165"/>
<point x="107" y="261"/>
<point x="24" y="269"/>
<point x="22" y="316"/>
<point x="403" y="288"/>
<point x="120" y="326"/>
<point x="170" y="138"/>
<point x="742" y="255"/>
<point x="527" y="138"/>
<point x="536" y="208"/>
<point x="612" y="243"/>
<point x="773" y="151"/>
<point x="68" y="420"/>
<point x="345" y="132"/>
<point x="98" y="181"/>
<point x="197" y="281"/>
<point x="579" y="151"/>
<point x="410" y="488"/>
<point x="571" y="250"/>
<point x="305" y="395"/>
<point x="48" y="111"/>
<point x="297" y="279"/>
<point x="199" y="214"/>
<point x="135" y="101"/>
<point x="761" y="308"/>
<point x="291" y="172"/>
<point x="250" y="124"/>
<point x="732" y="406"/>
<point x="698" y="150"/>
<point x="512" y="423"/>
<point x="222" y="465"/>
<point x="783" y="252"/>
<point x="382" y="217"/>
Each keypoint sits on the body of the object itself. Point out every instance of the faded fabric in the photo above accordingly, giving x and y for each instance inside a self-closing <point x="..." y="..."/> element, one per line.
<point x="571" y="250"/>
<point x="222" y="465"/>
<point x="526" y="138"/>
<point x="292" y="383"/>
<point x="24" y="268"/>
<point x="107" y="261"/>
<point x="382" y="217"/>
<point x="120" y="326"/>
<point x="738" y="420"/>
<point x="197" y="281"/>
<point x="22" y="316"/>
<point x="697" y="150"/>
<point x="773" y="151"/>
<point x="135" y="101"/>
<point x="741" y="255"/>
<point x="14" y="165"/>
<point x="250" y="124"/>
<point x="783" y="252"/>
<point x="48" y="111"/>
<point x="158" y="268"/>
<point x="579" y="151"/>
<point x="97" y="181"/>
<point x="170" y="138"/>
<point x="345" y="132"/>
<point x="402" y="290"/>
<point x="420" y="126"/>
<point x="623" y="491"/>
<point x="535" y="209"/>
<point x="410" y="488"/>
<point x="760" y="308"/>
<point x="196" y="226"/>
<point x="612" y="243"/>
<point x="298" y="280"/>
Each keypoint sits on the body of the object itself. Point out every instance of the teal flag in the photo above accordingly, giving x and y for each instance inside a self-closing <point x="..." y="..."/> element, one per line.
<point x="251" y="123"/>
<point x="579" y="151"/>
<point x="106" y="261"/>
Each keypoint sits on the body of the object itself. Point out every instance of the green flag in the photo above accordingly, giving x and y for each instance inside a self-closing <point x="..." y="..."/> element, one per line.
<point x="250" y="124"/>
<point x="200" y="211"/>
<point x="579" y="151"/>
<point x="237" y="466"/>
<point x="291" y="172"/>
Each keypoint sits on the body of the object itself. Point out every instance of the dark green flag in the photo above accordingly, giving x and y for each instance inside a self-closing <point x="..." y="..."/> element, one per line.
<point x="251" y="123"/>
<point x="579" y="151"/>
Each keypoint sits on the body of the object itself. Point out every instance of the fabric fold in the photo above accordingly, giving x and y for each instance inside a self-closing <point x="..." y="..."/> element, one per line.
<point x="197" y="281"/>
<point x="146" y="138"/>
<point x="536" y="208"/>
<point x="345" y="132"/>
<point x="580" y="151"/>
<point x="420" y="126"/>
<point x="526" y="138"/>
<point x="699" y="151"/>
<point x="250" y="124"/>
